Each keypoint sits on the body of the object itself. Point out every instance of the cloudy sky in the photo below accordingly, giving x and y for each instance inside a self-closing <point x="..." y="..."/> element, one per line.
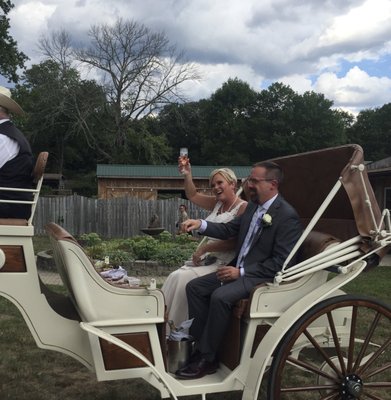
<point x="341" y="48"/>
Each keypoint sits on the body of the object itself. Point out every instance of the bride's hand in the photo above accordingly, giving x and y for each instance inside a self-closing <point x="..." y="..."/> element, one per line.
<point x="197" y="256"/>
<point x="184" y="165"/>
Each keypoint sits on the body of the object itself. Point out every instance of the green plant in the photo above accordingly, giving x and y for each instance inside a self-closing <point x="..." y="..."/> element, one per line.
<point x="165" y="236"/>
<point x="145" y="249"/>
<point x="139" y="238"/>
<point x="93" y="245"/>
<point x="184" y="238"/>
<point x="118" y="257"/>
<point x="164" y="248"/>
<point x="171" y="255"/>
<point x="126" y="244"/>
<point x="90" y="239"/>
<point x="97" y="252"/>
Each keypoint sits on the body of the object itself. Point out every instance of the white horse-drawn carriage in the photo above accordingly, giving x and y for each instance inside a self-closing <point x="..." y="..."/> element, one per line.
<point x="301" y="333"/>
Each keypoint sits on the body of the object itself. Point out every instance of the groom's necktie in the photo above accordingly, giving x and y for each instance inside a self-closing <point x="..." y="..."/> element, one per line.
<point x="252" y="231"/>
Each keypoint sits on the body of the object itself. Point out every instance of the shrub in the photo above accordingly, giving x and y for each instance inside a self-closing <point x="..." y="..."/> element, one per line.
<point x="139" y="238"/>
<point x="97" y="252"/>
<point x="184" y="238"/>
<point x="145" y="249"/>
<point x="165" y="237"/>
<point x="172" y="255"/>
<point x="126" y="244"/>
<point x="118" y="257"/>
<point x="166" y="249"/>
<point x="90" y="239"/>
<point x="93" y="244"/>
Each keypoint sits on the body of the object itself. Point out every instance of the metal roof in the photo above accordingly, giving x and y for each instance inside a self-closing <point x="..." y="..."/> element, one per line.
<point x="160" y="171"/>
<point x="380" y="165"/>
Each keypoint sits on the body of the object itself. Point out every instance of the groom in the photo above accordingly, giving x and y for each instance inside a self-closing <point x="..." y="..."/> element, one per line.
<point x="266" y="233"/>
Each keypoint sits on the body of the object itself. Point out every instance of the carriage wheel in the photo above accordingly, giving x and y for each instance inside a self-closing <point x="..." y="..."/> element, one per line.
<point x="339" y="349"/>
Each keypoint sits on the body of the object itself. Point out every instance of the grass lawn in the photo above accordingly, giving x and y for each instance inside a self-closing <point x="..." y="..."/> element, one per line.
<point x="373" y="283"/>
<point x="27" y="372"/>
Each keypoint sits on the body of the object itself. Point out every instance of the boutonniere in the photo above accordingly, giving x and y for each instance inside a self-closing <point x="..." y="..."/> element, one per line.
<point x="267" y="220"/>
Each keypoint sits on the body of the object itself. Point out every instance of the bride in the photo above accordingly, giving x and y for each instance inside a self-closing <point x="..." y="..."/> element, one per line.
<point x="211" y="253"/>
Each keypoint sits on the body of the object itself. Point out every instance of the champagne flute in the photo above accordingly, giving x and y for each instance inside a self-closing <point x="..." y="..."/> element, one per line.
<point x="183" y="158"/>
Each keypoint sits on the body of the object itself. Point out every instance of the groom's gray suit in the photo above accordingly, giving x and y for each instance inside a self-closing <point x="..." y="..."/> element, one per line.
<point x="210" y="303"/>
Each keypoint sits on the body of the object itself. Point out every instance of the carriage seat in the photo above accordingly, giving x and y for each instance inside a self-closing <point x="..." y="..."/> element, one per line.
<point x="262" y="299"/>
<point x="94" y="298"/>
<point x="37" y="174"/>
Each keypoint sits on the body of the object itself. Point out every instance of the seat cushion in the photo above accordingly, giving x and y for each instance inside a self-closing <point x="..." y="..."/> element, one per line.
<point x="13" y="221"/>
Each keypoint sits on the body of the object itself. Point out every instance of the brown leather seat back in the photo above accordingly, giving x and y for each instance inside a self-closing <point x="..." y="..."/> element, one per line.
<point x="40" y="166"/>
<point x="315" y="243"/>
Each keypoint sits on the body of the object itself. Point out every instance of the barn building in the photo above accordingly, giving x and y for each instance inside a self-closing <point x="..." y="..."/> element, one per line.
<point x="152" y="182"/>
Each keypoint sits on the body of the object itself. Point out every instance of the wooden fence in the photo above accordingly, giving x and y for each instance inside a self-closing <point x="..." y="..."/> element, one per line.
<point x="119" y="217"/>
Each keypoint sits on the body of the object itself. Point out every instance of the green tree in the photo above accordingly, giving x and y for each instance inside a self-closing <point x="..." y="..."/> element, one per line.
<point x="182" y="125"/>
<point x="275" y="127"/>
<point x="229" y="129"/>
<point x="62" y="114"/>
<point x="144" y="145"/>
<point x="372" y="130"/>
<point x="238" y="125"/>
<point x="11" y="58"/>
<point x="316" y="124"/>
<point x="293" y="123"/>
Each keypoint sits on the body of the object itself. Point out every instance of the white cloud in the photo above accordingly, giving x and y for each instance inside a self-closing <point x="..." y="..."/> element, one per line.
<point x="356" y="90"/>
<point x="294" y="42"/>
<point x="360" y="24"/>
<point x="214" y="75"/>
<point x="298" y="83"/>
<point x="29" y="22"/>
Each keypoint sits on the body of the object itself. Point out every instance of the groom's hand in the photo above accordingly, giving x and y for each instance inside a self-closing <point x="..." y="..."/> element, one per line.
<point x="190" y="225"/>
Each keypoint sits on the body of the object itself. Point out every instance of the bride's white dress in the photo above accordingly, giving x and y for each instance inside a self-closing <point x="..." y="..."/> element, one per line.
<point x="175" y="284"/>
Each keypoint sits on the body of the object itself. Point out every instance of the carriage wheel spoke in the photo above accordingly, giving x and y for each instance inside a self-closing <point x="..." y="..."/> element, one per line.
<point x="374" y="357"/>
<point x="339" y="349"/>
<point x="352" y="338"/>
<point x="371" y="396"/>
<point x="322" y="352"/>
<point x="336" y="342"/>
<point x="312" y="368"/>
<point x="366" y="342"/>
<point x="378" y="370"/>
<point x="309" y="388"/>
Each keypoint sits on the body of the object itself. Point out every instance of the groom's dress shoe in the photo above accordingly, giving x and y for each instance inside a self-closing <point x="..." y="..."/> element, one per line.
<point x="197" y="369"/>
<point x="195" y="357"/>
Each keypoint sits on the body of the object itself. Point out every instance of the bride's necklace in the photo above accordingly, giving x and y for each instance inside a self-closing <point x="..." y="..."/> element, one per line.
<point x="230" y="207"/>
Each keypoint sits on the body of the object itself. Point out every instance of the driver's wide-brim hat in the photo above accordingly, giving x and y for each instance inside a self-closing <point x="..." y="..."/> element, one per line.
<point x="11" y="105"/>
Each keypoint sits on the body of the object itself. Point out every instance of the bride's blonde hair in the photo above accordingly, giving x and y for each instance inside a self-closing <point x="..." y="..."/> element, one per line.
<point x="226" y="173"/>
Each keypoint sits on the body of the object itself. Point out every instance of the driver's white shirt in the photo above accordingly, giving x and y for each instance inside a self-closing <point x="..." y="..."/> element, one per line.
<point x="9" y="148"/>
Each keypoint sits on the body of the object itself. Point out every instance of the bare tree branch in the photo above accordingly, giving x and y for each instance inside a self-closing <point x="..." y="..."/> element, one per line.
<point x="57" y="47"/>
<point x="141" y="70"/>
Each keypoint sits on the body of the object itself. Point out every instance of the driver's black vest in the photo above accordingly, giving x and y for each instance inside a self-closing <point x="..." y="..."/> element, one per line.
<point x="17" y="172"/>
